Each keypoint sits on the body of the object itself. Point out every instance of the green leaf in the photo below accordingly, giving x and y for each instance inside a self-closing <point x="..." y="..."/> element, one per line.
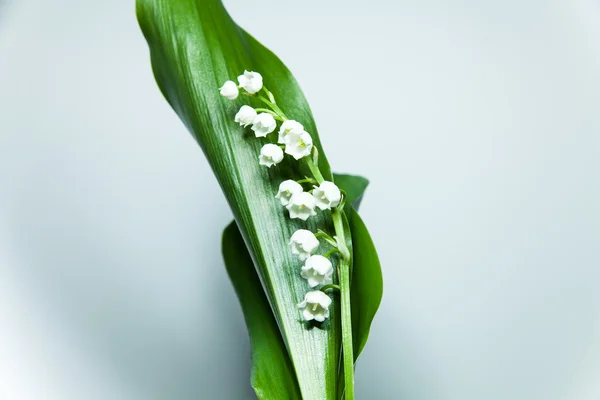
<point x="271" y="362"/>
<point x="367" y="282"/>
<point x="354" y="186"/>
<point x="195" y="47"/>
<point x="272" y="374"/>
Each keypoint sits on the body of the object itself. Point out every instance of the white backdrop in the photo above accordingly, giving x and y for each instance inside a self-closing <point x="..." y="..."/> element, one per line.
<point x="484" y="200"/>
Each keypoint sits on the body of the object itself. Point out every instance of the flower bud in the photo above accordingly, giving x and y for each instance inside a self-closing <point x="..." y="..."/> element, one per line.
<point x="301" y="206"/>
<point x="289" y="126"/>
<point x="317" y="270"/>
<point x="263" y="124"/>
<point x="229" y="90"/>
<point x="245" y="116"/>
<point x="270" y="154"/>
<point x="298" y="145"/>
<point x="287" y="189"/>
<point x="315" y="306"/>
<point x="252" y="82"/>
<point x="304" y="243"/>
<point x="327" y="195"/>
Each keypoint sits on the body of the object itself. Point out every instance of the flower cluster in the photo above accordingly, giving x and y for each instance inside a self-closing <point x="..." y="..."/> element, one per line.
<point x="293" y="140"/>
<point x="291" y="136"/>
<point x="302" y="204"/>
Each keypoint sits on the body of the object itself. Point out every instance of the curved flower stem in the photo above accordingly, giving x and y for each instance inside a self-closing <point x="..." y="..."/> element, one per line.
<point x="273" y="106"/>
<point x="330" y="286"/>
<point x="273" y="113"/>
<point x="330" y="252"/>
<point x="327" y="238"/>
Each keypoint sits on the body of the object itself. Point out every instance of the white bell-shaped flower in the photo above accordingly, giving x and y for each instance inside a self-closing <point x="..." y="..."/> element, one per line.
<point x="287" y="189"/>
<point x="298" y="145"/>
<point x="315" y="306"/>
<point x="270" y="154"/>
<point x="289" y="126"/>
<point x="327" y="195"/>
<point x="229" y="90"/>
<point x="317" y="270"/>
<point x="301" y="206"/>
<point x="251" y="81"/>
<point x="245" y="116"/>
<point x="263" y="124"/>
<point x="304" y="243"/>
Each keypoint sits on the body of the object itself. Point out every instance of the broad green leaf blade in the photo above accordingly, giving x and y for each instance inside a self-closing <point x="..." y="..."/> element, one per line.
<point x="367" y="282"/>
<point x="195" y="47"/>
<point x="272" y="371"/>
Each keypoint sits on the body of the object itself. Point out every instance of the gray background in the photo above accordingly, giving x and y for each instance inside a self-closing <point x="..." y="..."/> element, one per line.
<point x="476" y="121"/>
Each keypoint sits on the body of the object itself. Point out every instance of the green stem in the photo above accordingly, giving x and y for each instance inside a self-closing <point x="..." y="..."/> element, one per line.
<point x="314" y="169"/>
<point x="273" y="106"/>
<point x="330" y="286"/>
<point x="347" y="346"/>
<point x="327" y="238"/>
<point x="273" y="113"/>
<point x="344" y="278"/>
<point x="330" y="252"/>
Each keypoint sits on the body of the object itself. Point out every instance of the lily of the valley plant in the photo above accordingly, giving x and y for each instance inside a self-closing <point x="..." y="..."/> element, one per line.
<point x="298" y="254"/>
